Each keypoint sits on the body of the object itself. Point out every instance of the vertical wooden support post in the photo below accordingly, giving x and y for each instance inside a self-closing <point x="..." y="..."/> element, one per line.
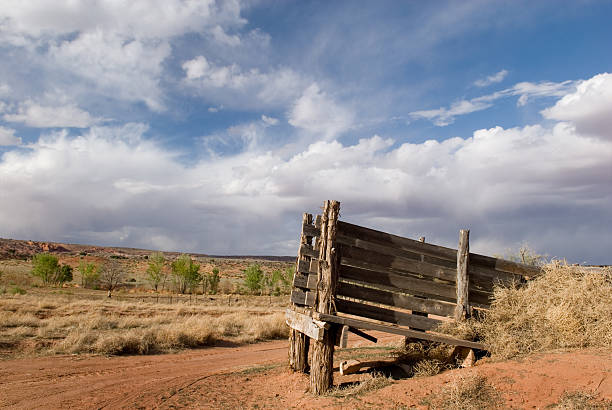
<point x="321" y="370"/>
<point x="298" y="342"/>
<point x="462" y="310"/>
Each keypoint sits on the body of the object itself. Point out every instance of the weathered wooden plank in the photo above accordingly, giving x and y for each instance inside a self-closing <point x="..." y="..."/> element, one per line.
<point x="391" y="280"/>
<point x="374" y="274"/>
<point x="301" y="297"/>
<point x="312" y="328"/>
<point x="504" y="269"/>
<point x="463" y="252"/>
<point x="362" y="334"/>
<point x="299" y="342"/>
<point x="386" y="315"/>
<point x="304" y="267"/>
<point x="384" y="238"/>
<point x="310" y="230"/>
<point x="354" y="366"/>
<point x="400" y="300"/>
<point x="421" y="265"/>
<point x="308" y="250"/>
<point x="397" y="259"/>
<point x="302" y="280"/>
<point x="364" y="324"/>
<point x="342" y="337"/>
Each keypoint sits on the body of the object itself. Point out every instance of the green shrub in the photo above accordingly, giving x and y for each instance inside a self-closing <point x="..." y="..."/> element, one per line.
<point x="89" y="274"/>
<point x="16" y="290"/>
<point x="155" y="270"/>
<point x="253" y="278"/>
<point x="186" y="273"/>
<point x="213" y="280"/>
<point x="47" y="268"/>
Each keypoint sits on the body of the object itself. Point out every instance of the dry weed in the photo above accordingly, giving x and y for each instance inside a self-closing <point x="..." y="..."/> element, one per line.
<point x="372" y="382"/>
<point x="59" y="325"/>
<point x="465" y="393"/>
<point x="565" y="307"/>
<point x="582" y="401"/>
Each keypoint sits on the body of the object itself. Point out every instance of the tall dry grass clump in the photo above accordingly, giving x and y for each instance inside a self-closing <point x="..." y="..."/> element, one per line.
<point x="30" y="325"/>
<point x="565" y="307"/>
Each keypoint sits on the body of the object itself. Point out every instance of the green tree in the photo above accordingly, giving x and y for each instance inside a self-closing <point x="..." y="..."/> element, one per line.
<point x="89" y="274"/>
<point x="155" y="271"/>
<point x="63" y="275"/>
<point x="45" y="267"/>
<point x="253" y="278"/>
<point x="186" y="273"/>
<point x="287" y="279"/>
<point x="213" y="280"/>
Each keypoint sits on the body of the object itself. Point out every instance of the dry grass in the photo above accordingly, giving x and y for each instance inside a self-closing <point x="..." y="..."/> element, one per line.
<point x="426" y="358"/>
<point x="30" y="325"/>
<point x="465" y="393"/>
<point x="565" y="307"/>
<point x="370" y="382"/>
<point x="582" y="401"/>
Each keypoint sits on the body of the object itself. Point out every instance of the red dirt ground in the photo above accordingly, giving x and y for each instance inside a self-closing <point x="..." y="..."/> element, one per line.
<point x="256" y="376"/>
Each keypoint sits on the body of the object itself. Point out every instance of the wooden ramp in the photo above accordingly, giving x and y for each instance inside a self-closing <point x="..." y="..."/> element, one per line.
<point x="350" y="277"/>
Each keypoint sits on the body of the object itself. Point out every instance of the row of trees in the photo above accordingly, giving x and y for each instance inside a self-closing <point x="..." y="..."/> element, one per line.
<point x="47" y="267"/>
<point x="271" y="283"/>
<point x="183" y="273"/>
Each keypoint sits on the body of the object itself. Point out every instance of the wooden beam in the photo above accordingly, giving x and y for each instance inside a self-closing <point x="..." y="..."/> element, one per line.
<point x="299" y="343"/>
<point x="321" y="370"/>
<point x="311" y="230"/>
<point x="384" y="238"/>
<point x="301" y="297"/>
<point x="363" y="324"/>
<point x="312" y="328"/>
<point x="363" y="334"/>
<point x="386" y="315"/>
<point x="372" y="274"/>
<point x="397" y="259"/>
<point x="342" y="337"/>
<point x="463" y="253"/>
<point x="308" y="250"/>
<point x="400" y="300"/>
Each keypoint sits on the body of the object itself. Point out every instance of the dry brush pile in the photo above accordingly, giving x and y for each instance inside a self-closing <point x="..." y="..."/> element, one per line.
<point x="565" y="307"/>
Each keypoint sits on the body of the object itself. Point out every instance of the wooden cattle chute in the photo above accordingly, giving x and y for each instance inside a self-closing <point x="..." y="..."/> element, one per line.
<point x="349" y="277"/>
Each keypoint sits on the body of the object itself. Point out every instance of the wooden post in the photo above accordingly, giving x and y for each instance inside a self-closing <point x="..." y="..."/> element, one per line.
<point x="298" y="342"/>
<point x="462" y="310"/>
<point x="321" y="371"/>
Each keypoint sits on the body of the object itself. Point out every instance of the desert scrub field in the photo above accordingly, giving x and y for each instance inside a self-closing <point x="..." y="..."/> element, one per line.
<point x="565" y="307"/>
<point x="31" y="324"/>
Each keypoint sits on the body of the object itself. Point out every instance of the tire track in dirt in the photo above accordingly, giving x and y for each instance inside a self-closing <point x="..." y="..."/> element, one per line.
<point x="121" y="382"/>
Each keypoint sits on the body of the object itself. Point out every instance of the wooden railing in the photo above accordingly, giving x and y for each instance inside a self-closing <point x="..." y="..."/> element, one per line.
<point x="349" y="277"/>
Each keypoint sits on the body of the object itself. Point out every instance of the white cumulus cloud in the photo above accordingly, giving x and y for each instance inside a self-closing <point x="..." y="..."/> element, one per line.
<point x="318" y="113"/>
<point x="589" y="107"/>
<point x="7" y="137"/>
<point x="35" y="115"/>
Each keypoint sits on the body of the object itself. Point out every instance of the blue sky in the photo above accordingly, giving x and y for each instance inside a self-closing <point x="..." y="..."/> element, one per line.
<point x="211" y="126"/>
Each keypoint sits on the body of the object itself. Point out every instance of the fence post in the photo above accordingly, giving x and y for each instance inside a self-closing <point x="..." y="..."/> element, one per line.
<point x="321" y="371"/>
<point x="299" y="343"/>
<point x="462" y="310"/>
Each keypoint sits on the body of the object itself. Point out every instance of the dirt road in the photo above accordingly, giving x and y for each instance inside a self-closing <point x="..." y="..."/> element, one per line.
<point x="122" y="382"/>
<point x="255" y="376"/>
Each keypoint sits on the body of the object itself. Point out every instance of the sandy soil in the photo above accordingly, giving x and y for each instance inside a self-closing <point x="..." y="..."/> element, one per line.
<point x="256" y="376"/>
